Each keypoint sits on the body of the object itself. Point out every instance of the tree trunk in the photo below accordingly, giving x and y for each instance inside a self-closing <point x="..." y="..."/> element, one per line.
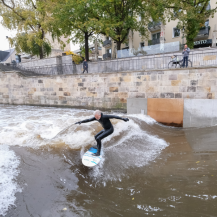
<point x="41" y="53"/>
<point x="86" y="46"/>
<point x="118" y="45"/>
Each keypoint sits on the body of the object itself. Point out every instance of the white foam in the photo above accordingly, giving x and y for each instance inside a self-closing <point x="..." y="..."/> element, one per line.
<point x="33" y="127"/>
<point x="128" y="146"/>
<point x="135" y="148"/>
<point x="9" y="163"/>
<point x="144" y="118"/>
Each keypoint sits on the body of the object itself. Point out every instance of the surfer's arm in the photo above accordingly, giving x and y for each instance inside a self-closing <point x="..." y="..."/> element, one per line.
<point x="86" y="120"/>
<point x="116" y="117"/>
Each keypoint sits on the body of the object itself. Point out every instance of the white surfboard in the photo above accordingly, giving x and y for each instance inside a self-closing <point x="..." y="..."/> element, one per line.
<point x="89" y="160"/>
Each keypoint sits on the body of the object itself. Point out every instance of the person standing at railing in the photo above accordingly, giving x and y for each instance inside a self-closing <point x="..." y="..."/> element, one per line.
<point x="85" y="66"/>
<point x="185" y="53"/>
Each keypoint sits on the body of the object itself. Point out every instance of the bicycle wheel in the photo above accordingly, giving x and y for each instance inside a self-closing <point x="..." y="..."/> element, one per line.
<point x="189" y="61"/>
<point x="170" y="64"/>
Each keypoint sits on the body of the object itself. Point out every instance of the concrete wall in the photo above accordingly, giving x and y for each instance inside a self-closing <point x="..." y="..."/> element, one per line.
<point x="200" y="112"/>
<point x="47" y="62"/>
<point x="177" y="112"/>
<point x="136" y="106"/>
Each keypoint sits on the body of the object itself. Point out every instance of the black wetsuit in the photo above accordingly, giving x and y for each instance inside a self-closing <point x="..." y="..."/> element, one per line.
<point x="106" y="124"/>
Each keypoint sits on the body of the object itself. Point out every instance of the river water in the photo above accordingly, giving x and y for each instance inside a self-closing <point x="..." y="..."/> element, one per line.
<point x="147" y="169"/>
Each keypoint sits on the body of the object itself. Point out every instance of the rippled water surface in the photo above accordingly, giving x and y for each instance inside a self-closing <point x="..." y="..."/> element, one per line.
<point x="147" y="169"/>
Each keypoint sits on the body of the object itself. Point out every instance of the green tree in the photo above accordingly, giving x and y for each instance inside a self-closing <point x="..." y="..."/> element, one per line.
<point x="115" y="18"/>
<point x="192" y="15"/>
<point x="73" y="18"/>
<point x="31" y="22"/>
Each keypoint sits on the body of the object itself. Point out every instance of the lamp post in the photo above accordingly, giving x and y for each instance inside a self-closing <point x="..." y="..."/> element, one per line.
<point x="9" y="48"/>
<point x="183" y="29"/>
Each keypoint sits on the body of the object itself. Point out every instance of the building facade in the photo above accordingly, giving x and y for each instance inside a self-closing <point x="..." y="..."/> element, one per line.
<point x="164" y="33"/>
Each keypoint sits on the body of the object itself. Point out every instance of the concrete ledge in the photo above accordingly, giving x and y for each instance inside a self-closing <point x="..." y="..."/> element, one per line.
<point x="176" y="112"/>
<point x="136" y="106"/>
<point x="200" y="112"/>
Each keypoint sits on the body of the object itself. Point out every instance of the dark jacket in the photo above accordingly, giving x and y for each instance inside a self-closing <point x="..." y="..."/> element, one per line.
<point x="85" y="64"/>
<point x="104" y="120"/>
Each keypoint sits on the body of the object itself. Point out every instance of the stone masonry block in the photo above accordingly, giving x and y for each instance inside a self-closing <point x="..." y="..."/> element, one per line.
<point x="188" y="95"/>
<point x="175" y="82"/>
<point x="62" y="98"/>
<point x="209" y="95"/>
<point x="182" y="89"/>
<point x="167" y="95"/>
<point x="178" y="95"/>
<point x="173" y="77"/>
<point x="67" y="94"/>
<point x="193" y="82"/>
<point x="154" y="77"/>
<point x="137" y="83"/>
<point x="91" y="89"/>
<point x="191" y="89"/>
<point x="113" y="89"/>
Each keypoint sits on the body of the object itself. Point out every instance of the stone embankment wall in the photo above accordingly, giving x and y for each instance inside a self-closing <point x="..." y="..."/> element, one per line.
<point x="109" y="90"/>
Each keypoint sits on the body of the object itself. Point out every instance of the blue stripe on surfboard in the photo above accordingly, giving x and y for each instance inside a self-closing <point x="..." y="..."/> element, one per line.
<point x="93" y="150"/>
<point x="90" y="155"/>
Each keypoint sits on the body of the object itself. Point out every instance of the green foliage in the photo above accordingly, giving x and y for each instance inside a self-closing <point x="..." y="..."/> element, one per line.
<point x="76" y="58"/>
<point x="29" y="44"/>
<point x="31" y="22"/>
<point x="73" y="20"/>
<point x="192" y="16"/>
<point x="116" y="18"/>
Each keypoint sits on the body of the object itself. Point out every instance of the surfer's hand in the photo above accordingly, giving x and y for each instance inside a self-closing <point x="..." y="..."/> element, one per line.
<point x="78" y="122"/>
<point x="125" y="119"/>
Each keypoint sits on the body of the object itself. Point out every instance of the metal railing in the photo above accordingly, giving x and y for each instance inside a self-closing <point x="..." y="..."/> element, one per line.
<point x="148" y="62"/>
<point x="107" y="55"/>
<point x="107" y="43"/>
<point x="154" y="41"/>
<point x="204" y="31"/>
<point x="57" y="69"/>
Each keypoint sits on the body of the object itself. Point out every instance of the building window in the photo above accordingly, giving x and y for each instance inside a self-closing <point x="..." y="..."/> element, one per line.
<point x="108" y="51"/>
<point x="142" y="44"/>
<point x="206" y="23"/>
<point x="156" y="36"/>
<point x="176" y="32"/>
<point x="107" y="38"/>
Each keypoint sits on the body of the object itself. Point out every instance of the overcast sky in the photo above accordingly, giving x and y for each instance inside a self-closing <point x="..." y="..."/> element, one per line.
<point x="4" y="44"/>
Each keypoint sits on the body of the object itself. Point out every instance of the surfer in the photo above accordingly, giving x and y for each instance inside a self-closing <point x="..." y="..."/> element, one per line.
<point x="106" y="124"/>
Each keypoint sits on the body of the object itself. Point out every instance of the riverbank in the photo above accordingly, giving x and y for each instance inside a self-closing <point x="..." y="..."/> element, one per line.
<point x="109" y="90"/>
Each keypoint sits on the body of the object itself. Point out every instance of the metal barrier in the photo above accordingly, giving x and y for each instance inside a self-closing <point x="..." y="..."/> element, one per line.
<point x="152" y="62"/>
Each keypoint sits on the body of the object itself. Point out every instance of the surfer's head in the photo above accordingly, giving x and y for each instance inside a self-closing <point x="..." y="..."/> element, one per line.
<point x="97" y="114"/>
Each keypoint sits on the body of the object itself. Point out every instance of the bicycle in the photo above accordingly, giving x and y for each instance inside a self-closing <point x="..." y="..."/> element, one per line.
<point x="175" y="61"/>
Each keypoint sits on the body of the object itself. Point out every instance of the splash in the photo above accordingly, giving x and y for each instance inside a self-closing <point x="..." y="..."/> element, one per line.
<point x="9" y="163"/>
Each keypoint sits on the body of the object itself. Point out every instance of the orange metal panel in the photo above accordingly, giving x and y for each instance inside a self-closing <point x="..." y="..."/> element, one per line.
<point x="166" y="111"/>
